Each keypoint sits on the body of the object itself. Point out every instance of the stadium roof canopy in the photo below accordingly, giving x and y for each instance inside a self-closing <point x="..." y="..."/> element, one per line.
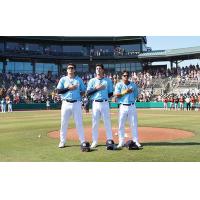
<point x="63" y="39"/>
<point x="171" y="54"/>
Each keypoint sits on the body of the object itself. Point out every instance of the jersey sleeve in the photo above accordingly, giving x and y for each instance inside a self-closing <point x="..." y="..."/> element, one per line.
<point x="60" y="84"/>
<point x="90" y="85"/>
<point x="117" y="88"/>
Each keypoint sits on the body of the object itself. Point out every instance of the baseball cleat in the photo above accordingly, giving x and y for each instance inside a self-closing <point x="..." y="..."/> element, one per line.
<point x="130" y="145"/>
<point x="138" y="144"/>
<point x="120" y="145"/>
<point x="61" y="145"/>
<point x="93" y="145"/>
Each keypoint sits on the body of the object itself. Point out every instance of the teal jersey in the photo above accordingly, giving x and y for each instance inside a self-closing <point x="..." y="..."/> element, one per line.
<point x="72" y="94"/>
<point x="127" y="98"/>
<point x="101" y="94"/>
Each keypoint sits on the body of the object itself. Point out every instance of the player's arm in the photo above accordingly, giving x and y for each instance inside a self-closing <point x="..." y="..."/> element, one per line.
<point x="60" y="87"/>
<point x="121" y="94"/>
<point x="90" y="89"/>
<point x="110" y="94"/>
<point x="118" y="95"/>
<point x="117" y="92"/>
<point x="91" y="92"/>
<point x="63" y="91"/>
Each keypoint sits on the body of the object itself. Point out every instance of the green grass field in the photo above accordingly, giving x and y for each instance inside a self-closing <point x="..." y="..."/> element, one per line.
<point x="19" y="139"/>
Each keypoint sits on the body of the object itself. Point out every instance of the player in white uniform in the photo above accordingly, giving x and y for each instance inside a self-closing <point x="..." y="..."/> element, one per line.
<point x="100" y="89"/>
<point x="3" y="105"/>
<point x="10" y="106"/>
<point x="71" y="88"/>
<point x="126" y="93"/>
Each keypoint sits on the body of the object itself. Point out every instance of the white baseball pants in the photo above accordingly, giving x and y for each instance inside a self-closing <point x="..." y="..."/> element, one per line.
<point x="130" y="113"/>
<point x="67" y="110"/>
<point x="3" y="108"/>
<point x="165" y="105"/>
<point x="101" y="109"/>
<point x="9" y="108"/>
<point x="181" y="106"/>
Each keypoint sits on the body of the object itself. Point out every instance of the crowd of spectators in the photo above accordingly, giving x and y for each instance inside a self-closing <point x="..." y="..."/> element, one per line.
<point x="143" y="79"/>
<point x="190" y="72"/>
<point x="38" y="88"/>
<point x="181" y="75"/>
<point x="176" y="102"/>
<point x="117" y="51"/>
<point x="28" y="88"/>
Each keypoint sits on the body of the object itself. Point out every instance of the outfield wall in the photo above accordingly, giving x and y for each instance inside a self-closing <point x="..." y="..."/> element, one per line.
<point x="42" y="106"/>
<point x="142" y="105"/>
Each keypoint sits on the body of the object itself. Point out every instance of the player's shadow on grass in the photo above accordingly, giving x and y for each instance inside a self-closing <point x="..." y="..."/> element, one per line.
<point x="171" y="143"/>
<point x="76" y="145"/>
<point x="116" y="149"/>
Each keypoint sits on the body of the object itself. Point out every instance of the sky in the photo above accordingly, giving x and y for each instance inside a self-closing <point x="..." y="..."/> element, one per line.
<point x="174" y="42"/>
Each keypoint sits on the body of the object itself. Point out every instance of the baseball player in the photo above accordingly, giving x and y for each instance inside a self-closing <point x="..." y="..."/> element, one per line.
<point x="171" y="102"/>
<point x="165" y="100"/>
<point x="199" y="102"/>
<point x="47" y="104"/>
<point x="187" y="100"/>
<point x="100" y="89"/>
<point x="3" y="105"/>
<point x="181" y="100"/>
<point x="126" y="93"/>
<point x="192" y="100"/>
<point x="71" y="88"/>
<point x="176" y="100"/>
<point x="10" y="105"/>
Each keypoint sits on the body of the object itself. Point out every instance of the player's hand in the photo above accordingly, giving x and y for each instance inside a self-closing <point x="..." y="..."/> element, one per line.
<point x="129" y="90"/>
<point x="100" y="87"/>
<point x="72" y="87"/>
<point x="124" y="92"/>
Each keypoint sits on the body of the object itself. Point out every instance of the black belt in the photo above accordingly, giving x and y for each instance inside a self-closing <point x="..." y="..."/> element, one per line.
<point x="129" y="104"/>
<point x="100" y="100"/>
<point x="70" y="101"/>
